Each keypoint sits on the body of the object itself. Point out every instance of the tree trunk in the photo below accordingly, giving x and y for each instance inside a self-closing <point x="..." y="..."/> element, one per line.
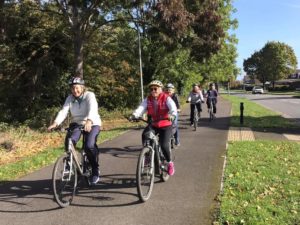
<point x="77" y="41"/>
<point x="78" y="54"/>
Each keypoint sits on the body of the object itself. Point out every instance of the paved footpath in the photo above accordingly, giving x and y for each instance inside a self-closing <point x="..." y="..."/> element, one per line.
<point x="186" y="199"/>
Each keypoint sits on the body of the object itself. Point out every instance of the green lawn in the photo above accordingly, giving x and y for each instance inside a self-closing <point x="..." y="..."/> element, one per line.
<point x="262" y="184"/>
<point x="262" y="178"/>
<point x="255" y="116"/>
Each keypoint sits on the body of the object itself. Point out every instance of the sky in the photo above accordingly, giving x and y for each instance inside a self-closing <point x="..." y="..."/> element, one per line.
<point x="261" y="21"/>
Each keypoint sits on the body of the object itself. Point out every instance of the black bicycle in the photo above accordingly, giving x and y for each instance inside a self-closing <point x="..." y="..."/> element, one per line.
<point x="196" y="117"/>
<point x="66" y="171"/>
<point x="211" y="109"/>
<point x="151" y="162"/>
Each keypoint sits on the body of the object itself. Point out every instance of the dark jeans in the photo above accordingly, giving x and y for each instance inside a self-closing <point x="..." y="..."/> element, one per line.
<point x="214" y="103"/>
<point x="90" y="147"/>
<point x="199" y="108"/>
<point x="164" y="139"/>
<point x="176" y="134"/>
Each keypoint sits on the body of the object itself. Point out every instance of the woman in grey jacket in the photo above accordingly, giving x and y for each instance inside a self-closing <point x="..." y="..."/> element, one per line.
<point x="83" y="107"/>
<point x="195" y="98"/>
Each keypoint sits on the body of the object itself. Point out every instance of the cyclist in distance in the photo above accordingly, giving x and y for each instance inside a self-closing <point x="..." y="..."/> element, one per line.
<point x="83" y="106"/>
<point x="195" y="98"/>
<point x="162" y="110"/>
<point x="212" y="95"/>
<point x="170" y="89"/>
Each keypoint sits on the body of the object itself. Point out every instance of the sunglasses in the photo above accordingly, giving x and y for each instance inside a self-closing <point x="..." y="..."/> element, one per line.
<point x="153" y="89"/>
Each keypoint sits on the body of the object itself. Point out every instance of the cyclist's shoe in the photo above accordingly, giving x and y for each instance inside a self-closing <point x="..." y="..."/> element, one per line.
<point x="95" y="179"/>
<point x="171" y="168"/>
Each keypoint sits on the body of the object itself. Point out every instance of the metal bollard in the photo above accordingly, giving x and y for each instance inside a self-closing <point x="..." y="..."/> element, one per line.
<point x="242" y="113"/>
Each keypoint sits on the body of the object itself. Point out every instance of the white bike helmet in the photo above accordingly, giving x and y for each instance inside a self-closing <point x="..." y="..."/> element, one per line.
<point x="169" y="85"/>
<point x="76" y="80"/>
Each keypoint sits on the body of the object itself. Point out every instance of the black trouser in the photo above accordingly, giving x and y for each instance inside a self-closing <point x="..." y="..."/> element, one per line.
<point x="198" y="105"/>
<point x="164" y="139"/>
<point x="214" y="103"/>
<point x="90" y="147"/>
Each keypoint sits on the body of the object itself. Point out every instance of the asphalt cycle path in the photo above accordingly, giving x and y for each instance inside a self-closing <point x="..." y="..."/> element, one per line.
<point x="186" y="198"/>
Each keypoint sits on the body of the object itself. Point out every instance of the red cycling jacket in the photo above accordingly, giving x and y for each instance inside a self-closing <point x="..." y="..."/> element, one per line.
<point x="159" y="112"/>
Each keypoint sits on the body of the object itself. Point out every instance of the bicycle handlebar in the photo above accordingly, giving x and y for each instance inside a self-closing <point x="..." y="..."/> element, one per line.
<point x="146" y="121"/>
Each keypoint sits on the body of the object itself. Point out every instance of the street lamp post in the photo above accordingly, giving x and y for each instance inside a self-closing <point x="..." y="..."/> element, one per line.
<point x="141" y="66"/>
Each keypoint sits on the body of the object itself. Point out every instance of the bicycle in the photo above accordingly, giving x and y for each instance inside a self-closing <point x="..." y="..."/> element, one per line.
<point x="151" y="162"/>
<point x="196" y="118"/>
<point x="66" y="170"/>
<point x="210" y="110"/>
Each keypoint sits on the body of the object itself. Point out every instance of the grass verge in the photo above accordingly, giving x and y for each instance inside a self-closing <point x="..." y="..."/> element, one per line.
<point x="255" y="115"/>
<point x="12" y="171"/>
<point x="262" y="184"/>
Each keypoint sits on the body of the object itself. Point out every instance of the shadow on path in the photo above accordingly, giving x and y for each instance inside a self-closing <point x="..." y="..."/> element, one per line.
<point x="21" y="196"/>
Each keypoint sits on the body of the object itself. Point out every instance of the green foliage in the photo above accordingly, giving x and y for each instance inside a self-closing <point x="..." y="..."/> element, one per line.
<point x="261" y="183"/>
<point x="34" y="62"/>
<point x="43" y="42"/>
<point x="273" y="62"/>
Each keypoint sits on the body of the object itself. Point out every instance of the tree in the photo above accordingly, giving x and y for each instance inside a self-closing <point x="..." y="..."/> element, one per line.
<point x="275" y="61"/>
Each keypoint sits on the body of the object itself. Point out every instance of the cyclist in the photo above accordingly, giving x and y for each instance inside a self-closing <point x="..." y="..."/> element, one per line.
<point x="83" y="106"/>
<point x="162" y="110"/>
<point x="170" y="89"/>
<point x="195" y="98"/>
<point x="212" y="95"/>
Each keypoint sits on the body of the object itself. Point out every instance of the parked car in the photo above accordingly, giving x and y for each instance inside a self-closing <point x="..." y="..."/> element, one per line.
<point x="257" y="90"/>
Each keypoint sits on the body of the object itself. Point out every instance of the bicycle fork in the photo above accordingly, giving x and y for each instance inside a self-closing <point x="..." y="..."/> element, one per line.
<point x="66" y="176"/>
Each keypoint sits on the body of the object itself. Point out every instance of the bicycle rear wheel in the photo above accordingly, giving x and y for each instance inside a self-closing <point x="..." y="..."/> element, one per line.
<point x="211" y="115"/>
<point x="64" y="181"/>
<point x="145" y="174"/>
<point x="195" y="119"/>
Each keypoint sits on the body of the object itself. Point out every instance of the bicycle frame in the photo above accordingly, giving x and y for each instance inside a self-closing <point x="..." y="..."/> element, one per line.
<point x="72" y="151"/>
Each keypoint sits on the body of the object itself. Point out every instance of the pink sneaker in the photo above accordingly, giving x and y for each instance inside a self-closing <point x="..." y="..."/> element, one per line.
<point x="171" y="168"/>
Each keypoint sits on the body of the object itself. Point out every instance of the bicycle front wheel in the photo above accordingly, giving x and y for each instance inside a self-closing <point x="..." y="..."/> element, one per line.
<point x="64" y="181"/>
<point x="145" y="174"/>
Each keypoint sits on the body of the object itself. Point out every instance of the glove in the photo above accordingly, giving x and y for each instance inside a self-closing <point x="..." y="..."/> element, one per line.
<point x="202" y="101"/>
<point x="187" y="101"/>
<point x="172" y="118"/>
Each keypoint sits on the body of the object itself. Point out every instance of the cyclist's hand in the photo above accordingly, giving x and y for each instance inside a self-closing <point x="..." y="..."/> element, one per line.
<point x="88" y="126"/>
<point x="187" y="101"/>
<point x="202" y="101"/>
<point x="172" y="118"/>
<point x="179" y="110"/>
<point x="52" y="126"/>
<point x="132" y="118"/>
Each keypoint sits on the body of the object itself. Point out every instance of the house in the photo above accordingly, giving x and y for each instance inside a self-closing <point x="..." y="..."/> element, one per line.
<point x="295" y="75"/>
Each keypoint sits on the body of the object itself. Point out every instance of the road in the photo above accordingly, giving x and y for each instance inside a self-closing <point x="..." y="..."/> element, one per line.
<point x="286" y="105"/>
<point x="186" y="199"/>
